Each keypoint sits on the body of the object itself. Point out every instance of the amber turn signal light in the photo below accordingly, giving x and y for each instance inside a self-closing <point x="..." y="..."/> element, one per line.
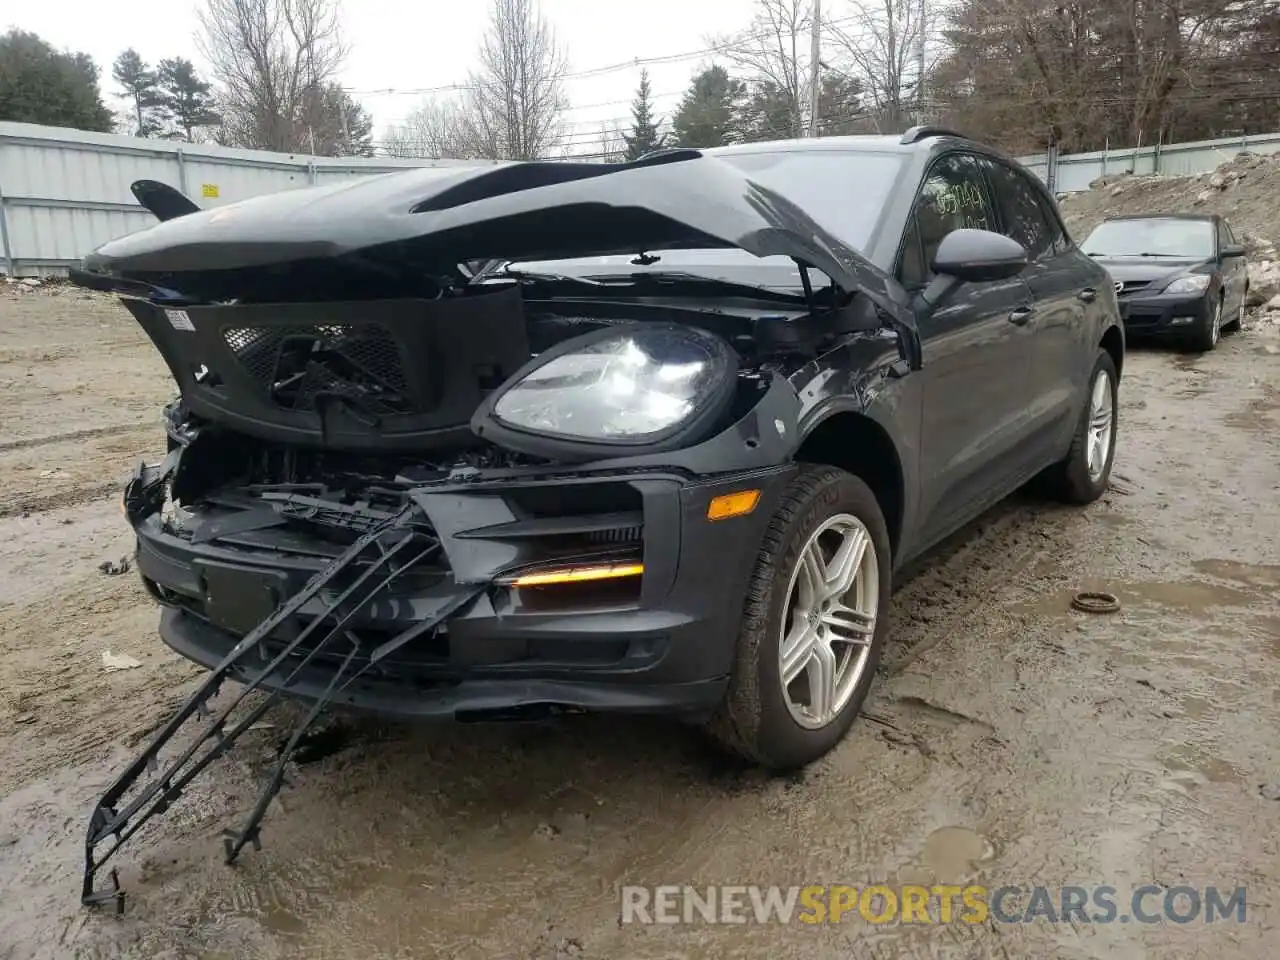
<point x="735" y="504"/>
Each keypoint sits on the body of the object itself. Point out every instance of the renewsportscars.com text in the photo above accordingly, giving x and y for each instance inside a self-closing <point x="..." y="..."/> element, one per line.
<point x="942" y="903"/>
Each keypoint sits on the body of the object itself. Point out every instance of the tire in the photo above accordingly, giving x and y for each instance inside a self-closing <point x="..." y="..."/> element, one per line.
<point x="1209" y="330"/>
<point x="1071" y="479"/>
<point x="756" y="720"/>
<point x="1237" y="322"/>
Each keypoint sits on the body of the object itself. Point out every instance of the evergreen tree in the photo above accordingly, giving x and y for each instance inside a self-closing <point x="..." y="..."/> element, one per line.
<point x="706" y="115"/>
<point x="335" y="124"/>
<point x="40" y="85"/>
<point x="186" y="98"/>
<point x="138" y="81"/>
<point x="644" y="128"/>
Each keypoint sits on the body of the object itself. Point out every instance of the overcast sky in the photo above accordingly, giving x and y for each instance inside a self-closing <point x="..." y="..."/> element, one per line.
<point x="406" y="46"/>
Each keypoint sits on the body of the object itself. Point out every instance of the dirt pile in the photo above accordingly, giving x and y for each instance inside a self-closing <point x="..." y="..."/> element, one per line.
<point x="1245" y="190"/>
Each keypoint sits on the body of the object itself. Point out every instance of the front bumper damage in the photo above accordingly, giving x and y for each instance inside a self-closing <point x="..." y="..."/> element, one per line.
<point x="418" y="617"/>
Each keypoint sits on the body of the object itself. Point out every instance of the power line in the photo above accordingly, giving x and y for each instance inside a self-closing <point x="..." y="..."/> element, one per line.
<point x="631" y="64"/>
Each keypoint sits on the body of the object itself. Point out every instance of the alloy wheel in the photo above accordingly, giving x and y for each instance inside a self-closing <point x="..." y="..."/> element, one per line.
<point x="829" y="621"/>
<point x="1215" y="331"/>
<point x="1101" y="429"/>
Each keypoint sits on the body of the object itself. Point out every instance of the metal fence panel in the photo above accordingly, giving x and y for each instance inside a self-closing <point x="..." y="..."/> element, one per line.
<point x="1074" y="172"/>
<point x="65" y="192"/>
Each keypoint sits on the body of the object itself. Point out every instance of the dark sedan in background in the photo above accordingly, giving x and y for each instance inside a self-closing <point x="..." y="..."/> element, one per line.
<point x="1179" y="276"/>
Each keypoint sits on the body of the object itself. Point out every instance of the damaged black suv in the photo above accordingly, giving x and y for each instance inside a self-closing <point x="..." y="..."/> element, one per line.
<point x="484" y="442"/>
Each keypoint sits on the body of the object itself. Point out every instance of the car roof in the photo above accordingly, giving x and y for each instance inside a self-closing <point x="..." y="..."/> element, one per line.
<point x="916" y="140"/>
<point x="1164" y="216"/>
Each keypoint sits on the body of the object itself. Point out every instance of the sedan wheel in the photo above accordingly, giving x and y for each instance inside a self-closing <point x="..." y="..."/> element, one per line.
<point x="1206" y="338"/>
<point x="833" y="599"/>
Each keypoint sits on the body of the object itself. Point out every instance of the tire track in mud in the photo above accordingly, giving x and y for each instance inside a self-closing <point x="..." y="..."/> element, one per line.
<point x="951" y="582"/>
<point x="88" y="433"/>
<point x="42" y="503"/>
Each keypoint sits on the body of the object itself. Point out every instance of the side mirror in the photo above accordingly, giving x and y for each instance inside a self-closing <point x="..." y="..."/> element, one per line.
<point x="971" y="256"/>
<point x="978" y="256"/>
<point x="1233" y="250"/>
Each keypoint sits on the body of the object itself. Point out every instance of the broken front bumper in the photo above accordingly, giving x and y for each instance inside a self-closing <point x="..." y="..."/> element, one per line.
<point x="660" y="642"/>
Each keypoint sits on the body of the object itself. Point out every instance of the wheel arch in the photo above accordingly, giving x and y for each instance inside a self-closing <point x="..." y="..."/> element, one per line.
<point x="1113" y="342"/>
<point x="856" y="443"/>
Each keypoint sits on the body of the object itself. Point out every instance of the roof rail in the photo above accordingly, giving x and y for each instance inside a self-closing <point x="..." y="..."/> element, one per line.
<point x="919" y="132"/>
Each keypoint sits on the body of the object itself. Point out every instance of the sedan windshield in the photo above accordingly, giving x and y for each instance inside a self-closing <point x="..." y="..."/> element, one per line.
<point x="844" y="191"/>
<point x="1153" y="237"/>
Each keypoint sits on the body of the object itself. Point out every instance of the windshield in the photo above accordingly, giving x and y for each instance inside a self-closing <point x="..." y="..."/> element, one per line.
<point x="843" y="191"/>
<point x="1158" y="237"/>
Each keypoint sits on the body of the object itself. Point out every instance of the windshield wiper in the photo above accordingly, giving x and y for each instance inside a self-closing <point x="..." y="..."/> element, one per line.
<point x="1171" y="256"/>
<point x="664" y="279"/>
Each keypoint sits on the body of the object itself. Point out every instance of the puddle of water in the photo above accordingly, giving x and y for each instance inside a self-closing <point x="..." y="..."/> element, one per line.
<point x="1114" y="520"/>
<point x="1189" y="762"/>
<point x="1192" y="596"/>
<point x="1265" y="575"/>
<point x="1269" y="627"/>
<point x="950" y="855"/>
<point x="1197" y="708"/>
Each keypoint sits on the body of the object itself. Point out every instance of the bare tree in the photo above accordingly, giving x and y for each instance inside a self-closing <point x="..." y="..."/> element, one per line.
<point x="612" y="145"/>
<point x="1083" y="73"/>
<point x="879" y="42"/>
<point x="774" y="52"/>
<point x="516" y="100"/>
<point x="436" y="129"/>
<point x="271" y="58"/>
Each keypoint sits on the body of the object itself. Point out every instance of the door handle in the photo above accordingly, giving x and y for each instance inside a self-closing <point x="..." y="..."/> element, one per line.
<point x="1088" y="295"/>
<point x="1021" y="315"/>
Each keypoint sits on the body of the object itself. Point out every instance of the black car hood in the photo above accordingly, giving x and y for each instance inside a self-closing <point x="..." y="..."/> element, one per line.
<point x="1147" y="269"/>
<point x="438" y="217"/>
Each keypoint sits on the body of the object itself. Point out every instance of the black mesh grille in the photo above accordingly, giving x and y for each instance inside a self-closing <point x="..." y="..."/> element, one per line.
<point x="303" y="366"/>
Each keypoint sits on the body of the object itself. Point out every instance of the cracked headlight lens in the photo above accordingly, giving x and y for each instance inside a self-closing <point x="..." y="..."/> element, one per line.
<point x="625" y="387"/>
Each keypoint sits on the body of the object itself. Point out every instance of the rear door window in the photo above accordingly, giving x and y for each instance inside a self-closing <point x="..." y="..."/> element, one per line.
<point x="954" y="195"/>
<point x="1022" y="212"/>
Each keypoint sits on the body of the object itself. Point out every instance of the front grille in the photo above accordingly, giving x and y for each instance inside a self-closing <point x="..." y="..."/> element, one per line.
<point x="302" y="367"/>
<point x="1129" y="286"/>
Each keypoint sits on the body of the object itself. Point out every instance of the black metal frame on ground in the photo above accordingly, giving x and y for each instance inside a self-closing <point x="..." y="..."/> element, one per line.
<point x="389" y="550"/>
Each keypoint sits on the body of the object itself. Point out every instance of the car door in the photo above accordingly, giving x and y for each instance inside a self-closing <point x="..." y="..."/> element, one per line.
<point x="976" y="353"/>
<point x="1234" y="273"/>
<point x="1062" y="286"/>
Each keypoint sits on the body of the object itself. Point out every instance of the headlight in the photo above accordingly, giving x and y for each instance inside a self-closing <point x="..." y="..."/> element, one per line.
<point x="636" y="386"/>
<point x="1191" y="283"/>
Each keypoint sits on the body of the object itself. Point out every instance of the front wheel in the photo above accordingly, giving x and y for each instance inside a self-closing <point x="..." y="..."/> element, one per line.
<point x="1086" y="472"/>
<point x="1237" y="322"/>
<point x="813" y="623"/>
<point x="1209" y="331"/>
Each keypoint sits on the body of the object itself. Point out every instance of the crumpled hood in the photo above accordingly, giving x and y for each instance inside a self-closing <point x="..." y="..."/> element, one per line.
<point x="439" y="217"/>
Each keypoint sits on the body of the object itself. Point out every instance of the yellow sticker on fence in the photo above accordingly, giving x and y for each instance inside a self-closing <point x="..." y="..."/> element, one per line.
<point x="209" y="190"/>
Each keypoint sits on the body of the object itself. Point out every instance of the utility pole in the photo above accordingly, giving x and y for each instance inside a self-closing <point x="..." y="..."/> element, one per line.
<point x="815" y="77"/>
<point x="923" y="29"/>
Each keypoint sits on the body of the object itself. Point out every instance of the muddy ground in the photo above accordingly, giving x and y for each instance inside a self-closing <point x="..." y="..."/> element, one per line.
<point x="1009" y="740"/>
